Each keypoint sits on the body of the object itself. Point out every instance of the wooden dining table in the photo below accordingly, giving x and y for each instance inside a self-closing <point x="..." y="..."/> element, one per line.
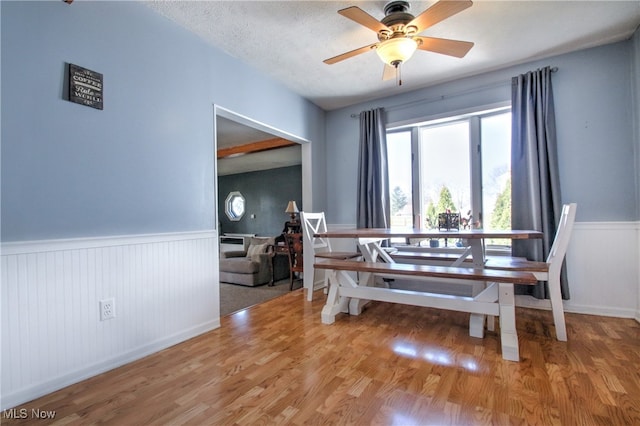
<point x="369" y="241"/>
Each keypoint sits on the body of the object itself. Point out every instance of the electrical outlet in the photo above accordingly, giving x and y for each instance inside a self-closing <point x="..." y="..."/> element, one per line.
<point x="107" y="309"/>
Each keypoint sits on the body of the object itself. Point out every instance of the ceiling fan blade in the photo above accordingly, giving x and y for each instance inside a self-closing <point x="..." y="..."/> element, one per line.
<point x="445" y="46"/>
<point x="438" y="12"/>
<point x="389" y="72"/>
<point x="350" y="54"/>
<point x="363" y="18"/>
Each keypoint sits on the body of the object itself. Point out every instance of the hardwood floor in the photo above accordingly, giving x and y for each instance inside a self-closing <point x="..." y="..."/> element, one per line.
<point x="276" y="363"/>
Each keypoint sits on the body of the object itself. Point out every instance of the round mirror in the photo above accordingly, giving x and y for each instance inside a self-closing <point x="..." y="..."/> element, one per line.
<point x="234" y="206"/>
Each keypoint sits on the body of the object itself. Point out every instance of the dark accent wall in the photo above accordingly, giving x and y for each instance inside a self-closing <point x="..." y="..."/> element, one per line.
<point x="267" y="193"/>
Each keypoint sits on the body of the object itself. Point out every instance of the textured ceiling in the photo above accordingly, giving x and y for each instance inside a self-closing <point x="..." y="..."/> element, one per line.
<point x="288" y="40"/>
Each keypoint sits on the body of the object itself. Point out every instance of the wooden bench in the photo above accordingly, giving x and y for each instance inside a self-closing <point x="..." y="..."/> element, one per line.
<point x="509" y="263"/>
<point x="425" y="256"/>
<point x="452" y="259"/>
<point x="497" y="299"/>
<point x="499" y="262"/>
<point x="435" y="271"/>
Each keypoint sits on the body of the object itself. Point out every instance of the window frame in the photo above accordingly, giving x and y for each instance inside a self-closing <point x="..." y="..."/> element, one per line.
<point x="231" y="207"/>
<point x="474" y="117"/>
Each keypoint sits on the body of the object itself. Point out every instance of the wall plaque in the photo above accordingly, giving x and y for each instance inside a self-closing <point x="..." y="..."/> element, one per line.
<point x="85" y="86"/>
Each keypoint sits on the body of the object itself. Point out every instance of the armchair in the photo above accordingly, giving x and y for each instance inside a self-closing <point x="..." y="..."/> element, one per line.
<point x="252" y="267"/>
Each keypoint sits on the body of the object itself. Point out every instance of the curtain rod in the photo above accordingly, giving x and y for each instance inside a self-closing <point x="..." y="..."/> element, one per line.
<point x="442" y="97"/>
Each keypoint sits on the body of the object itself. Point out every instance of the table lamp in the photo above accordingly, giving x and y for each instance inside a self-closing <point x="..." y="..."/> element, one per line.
<point x="292" y="209"/>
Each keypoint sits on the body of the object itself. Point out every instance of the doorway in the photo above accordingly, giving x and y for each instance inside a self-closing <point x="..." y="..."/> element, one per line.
<point x="246" y="149"/>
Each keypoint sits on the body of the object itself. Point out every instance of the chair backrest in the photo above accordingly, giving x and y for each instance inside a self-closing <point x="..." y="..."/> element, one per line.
<point x="563" y="234"/>
<point x="295" y="250"/>
<point x="313" y="223"/>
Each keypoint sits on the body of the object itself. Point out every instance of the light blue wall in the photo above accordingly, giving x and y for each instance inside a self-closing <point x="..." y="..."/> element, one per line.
<point x="594" y="104"/>
<point x="144" y="164"/>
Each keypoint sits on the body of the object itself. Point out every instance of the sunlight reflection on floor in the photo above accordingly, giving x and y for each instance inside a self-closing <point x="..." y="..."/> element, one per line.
<point x="435" y="355"/>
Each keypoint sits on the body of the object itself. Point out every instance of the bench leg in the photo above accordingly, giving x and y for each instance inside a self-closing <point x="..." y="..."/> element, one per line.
<point x="477" y="321"/>
<point x="508" y="333"/>
<point x="335" y="303"/>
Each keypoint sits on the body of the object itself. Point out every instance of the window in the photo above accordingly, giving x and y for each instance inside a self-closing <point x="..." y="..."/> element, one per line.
<point x="234" y="206"/>
<point x="459" y="164"/>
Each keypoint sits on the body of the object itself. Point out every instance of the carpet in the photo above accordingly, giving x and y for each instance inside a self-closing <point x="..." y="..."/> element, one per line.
<point x="236" y="297"/>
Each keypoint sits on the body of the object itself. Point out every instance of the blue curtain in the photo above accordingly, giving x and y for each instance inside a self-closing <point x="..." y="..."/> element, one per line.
<point x="373" y="205"/>
<point x="535" y="181"/>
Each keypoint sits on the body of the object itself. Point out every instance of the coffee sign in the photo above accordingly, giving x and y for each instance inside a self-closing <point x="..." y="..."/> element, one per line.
<point x="85" y="86"/>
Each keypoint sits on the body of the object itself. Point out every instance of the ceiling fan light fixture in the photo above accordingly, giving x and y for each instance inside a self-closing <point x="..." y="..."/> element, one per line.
<point x="396" y="50"/>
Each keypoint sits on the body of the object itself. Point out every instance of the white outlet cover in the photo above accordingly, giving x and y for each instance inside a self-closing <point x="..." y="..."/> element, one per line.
<point x="107" y="309"/>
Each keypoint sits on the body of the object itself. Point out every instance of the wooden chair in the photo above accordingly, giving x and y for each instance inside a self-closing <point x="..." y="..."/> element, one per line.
<point x="313" y="223"/>
<point x="295" y="250"/>
<point x="548" y="271"/>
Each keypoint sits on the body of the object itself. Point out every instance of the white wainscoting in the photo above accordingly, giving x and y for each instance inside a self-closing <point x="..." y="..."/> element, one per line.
<point x="165" y="289"/>
<point x="603" y="271"/>
<point x="603" y="267"/>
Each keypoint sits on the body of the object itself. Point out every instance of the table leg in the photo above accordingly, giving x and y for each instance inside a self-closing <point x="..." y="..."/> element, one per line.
<point x="371" y="251"/>
<point x="478" y="257"/>
<point x="273" y="269"/>
<point x="476" y="325"/>
<point x="356" y="306"/>
<point x="477" y="321"/>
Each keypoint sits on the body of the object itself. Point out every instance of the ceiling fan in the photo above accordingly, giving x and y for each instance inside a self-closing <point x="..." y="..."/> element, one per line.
<point x="398" y="33"/>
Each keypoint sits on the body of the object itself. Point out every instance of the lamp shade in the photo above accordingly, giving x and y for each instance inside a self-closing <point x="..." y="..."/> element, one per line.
<point x="396" y="50"/>
<point x="292" y="207"/>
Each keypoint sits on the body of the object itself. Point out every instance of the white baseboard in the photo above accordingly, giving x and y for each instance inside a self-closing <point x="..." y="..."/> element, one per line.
<point x="531" y="302"/>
